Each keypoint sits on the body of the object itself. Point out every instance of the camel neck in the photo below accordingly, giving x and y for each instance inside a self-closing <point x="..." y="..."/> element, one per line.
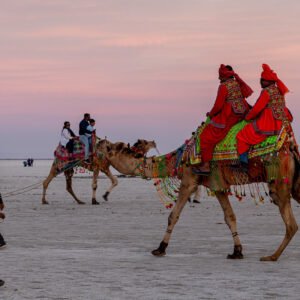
<point x="151" y="167"/>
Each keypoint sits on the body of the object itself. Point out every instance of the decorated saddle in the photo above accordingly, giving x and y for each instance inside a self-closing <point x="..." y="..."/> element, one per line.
<point x="227" y="148"/>
<point x="225" y="152"/>
<point x="65" y="160"/>
<point x="63" y="154"/>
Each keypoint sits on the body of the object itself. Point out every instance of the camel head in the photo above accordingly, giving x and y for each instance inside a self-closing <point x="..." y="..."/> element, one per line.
<point x="141" y="147"/>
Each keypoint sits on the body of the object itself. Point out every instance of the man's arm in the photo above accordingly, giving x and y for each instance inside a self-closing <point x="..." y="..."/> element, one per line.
<point x="220" y="100"/>
<point x="260" y="104"/>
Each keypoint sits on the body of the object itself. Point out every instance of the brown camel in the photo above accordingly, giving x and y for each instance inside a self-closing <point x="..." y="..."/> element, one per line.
<point x="285" y="182"/>
<point x="100" y="163"/>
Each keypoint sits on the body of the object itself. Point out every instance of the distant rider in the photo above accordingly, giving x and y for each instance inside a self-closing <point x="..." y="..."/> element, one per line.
<point x="83" y="125"/>
<point x="67" y="137"/>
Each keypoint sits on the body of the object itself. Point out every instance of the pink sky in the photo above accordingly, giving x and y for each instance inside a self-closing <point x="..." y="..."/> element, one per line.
<point x="143" y="69"/>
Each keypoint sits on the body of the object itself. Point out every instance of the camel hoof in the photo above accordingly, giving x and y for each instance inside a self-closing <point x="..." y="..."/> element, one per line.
<point x="268" y="258"/>
<point x="235" y="256"/>
<point x="158" y="253"/>
<point x="80" y="202"/>
<point x="105" y="196"/>
<point x="237" y="253"/>
<point x="196" y="201"/>
<point x="45" y="202"/>
<point x="95" y="202"/>
<point x="161" y="250"/>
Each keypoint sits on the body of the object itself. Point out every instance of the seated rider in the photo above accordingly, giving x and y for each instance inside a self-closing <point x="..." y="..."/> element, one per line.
<point x="230" y="107"/>
<point x="67" y="137"/>
<point x="82" y="135"/>
<point x="92" y="128"/>
<point x="269" y="114"/>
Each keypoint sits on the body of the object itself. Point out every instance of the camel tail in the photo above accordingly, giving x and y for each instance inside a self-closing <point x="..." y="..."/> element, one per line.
<point x="296" y="180"/>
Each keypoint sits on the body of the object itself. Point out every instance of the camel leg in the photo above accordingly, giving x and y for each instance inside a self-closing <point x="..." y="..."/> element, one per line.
<point x="94" y="186"/>
<point x="47" y="181"/>
<point x="230" y="220"/>
<point x="69" y="175"/>
<point x="114" y="183"/>
<point x="197" y="195"/>
<point x="281" y="197"/>
<point x="187" y="187"/>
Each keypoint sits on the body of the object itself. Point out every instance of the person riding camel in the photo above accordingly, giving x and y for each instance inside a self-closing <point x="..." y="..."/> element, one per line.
<point x="82" y="135"/>
<point x="230" y="107"/>
<point x="92" y="128"/>
<point x="67" y="137"/>
<point x="269" y="114"/>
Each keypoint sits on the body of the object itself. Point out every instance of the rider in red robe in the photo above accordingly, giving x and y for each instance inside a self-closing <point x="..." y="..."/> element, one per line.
<point x="269" y="114"/>
<point x="230" y="107"/>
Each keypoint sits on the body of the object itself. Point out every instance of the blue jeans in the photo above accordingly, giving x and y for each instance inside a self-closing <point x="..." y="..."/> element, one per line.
<point x="85" y="140"/>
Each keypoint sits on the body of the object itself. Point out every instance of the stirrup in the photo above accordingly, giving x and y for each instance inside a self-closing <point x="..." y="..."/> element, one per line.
<point x="196" y="171"/>
<point x="241" y="166"/>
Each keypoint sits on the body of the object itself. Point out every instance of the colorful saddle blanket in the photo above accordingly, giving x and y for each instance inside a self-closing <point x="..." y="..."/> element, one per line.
<point x="63" y="154"/>
<point x="226" y="149"/>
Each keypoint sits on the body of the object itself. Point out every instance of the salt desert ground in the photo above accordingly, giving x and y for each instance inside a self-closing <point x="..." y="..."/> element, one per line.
<point x="66" y="251"/>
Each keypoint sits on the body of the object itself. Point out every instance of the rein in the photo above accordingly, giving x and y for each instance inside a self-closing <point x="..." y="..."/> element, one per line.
<point x="37" y="184"/>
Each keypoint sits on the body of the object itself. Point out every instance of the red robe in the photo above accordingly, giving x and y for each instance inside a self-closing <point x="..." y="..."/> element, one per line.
<point x="229" y="108"/>
<point x="268" y="117"/>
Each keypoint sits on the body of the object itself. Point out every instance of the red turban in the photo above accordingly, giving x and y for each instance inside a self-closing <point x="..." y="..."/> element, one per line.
<point x="245" y="88"/>
<point x="269" y="74"/>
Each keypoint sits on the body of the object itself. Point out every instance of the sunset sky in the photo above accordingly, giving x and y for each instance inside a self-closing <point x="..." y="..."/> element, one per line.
<point x="142" y="68"/>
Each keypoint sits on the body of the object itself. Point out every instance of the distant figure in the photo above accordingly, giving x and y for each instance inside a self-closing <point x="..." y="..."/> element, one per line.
<point x="82" y="135"/>
<point x="2" y="242"/>
<point x="67" y="137"/>
<point x="28" y="162"/>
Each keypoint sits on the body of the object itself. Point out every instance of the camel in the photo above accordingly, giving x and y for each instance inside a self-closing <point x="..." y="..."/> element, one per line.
<point x="280" y="190"/>
<point x="99" y="163"/>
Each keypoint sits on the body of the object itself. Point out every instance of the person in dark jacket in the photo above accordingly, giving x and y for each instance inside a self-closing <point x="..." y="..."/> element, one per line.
<point x="82" y="134"/>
